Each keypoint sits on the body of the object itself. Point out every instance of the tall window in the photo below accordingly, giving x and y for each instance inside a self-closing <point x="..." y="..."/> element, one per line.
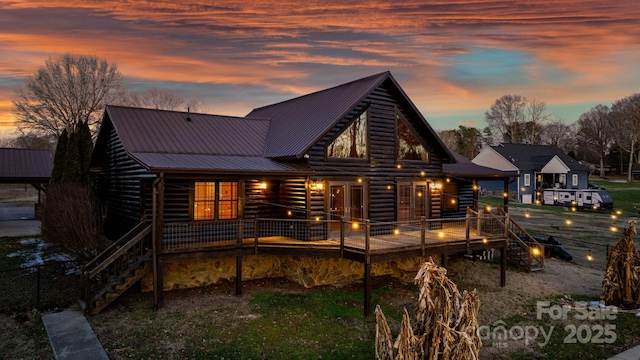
<point x="527" y="179"/>
<point x="450" y="196"/>
<point x="228" y="202"/>
<point x="412" y="203"/>
<point x="409" y="147"/>
<point x="215" y="200"/>
<point x="352" y="142"/>
<point x="574" y="179"/>
<point x="204" y="201"/>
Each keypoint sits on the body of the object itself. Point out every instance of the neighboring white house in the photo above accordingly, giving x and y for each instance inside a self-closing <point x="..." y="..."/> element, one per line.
<point x="538" y="166"/>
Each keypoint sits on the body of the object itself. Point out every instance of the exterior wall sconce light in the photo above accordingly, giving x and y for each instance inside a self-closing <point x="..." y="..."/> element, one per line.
<point x="317" y="185"/>
<point x="436" y="187"/>
<point x="262" y="186"/>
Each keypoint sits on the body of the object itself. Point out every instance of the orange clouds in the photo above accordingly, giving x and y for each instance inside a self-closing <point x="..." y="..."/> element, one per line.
<point x="250" y="53"/>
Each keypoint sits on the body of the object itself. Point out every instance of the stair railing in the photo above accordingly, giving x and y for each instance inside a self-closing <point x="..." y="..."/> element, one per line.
<point x="534" y="250"/>
<point x="117" y="262"/>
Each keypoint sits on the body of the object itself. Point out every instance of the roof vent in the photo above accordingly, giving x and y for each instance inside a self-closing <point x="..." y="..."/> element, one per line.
<point x="188" y="115"/>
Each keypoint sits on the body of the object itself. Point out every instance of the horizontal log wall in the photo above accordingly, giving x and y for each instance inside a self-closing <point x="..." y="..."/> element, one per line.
<point x="380" y="170"/>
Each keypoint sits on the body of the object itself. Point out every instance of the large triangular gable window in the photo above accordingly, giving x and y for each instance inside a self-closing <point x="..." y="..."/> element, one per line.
<point x="352" y="142"/>
<point x="409" y="147"/>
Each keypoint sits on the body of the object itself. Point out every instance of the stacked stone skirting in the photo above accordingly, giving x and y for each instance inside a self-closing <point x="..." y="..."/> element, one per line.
<point x="306" y="271"/>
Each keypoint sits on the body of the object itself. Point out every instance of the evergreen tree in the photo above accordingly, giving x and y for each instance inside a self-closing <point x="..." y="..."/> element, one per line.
<point x="85" y="149"/>
<point x="59" y="158"/>
<point x="72" y="173"/>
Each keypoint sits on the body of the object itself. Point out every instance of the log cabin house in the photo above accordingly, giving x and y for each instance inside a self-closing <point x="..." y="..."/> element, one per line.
<point x="337" y="185"/>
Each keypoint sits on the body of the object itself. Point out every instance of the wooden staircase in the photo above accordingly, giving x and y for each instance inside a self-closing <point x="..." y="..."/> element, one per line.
<point x="116" y="269"/>
<point x="522" y="249"/>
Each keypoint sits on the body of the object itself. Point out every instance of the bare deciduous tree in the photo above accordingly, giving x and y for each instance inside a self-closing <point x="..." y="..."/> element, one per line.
<point x="517" y="119"/>
<point x="560" y="135"/>
<point x="625" y="126"/>
<point x="594" y="129"/>
<point x="160" y="99"/>
<point x="503" y="116"/>
<point x="65" y="92"/>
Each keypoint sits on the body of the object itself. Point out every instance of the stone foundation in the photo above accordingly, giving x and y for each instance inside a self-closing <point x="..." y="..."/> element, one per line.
<point x="305" y="270"/>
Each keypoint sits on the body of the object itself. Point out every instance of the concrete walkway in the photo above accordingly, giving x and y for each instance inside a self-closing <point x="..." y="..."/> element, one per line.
<point x="631" y="354"/>
<point x="72" y="337"/>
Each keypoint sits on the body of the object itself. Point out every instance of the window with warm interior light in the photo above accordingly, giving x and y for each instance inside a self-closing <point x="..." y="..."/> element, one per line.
<point x="352" y="142"/>
<point x="204" y="200"/>
<point x="409" y="146"/>
<point x="215" y="200"/>
<point x="412" y="200"/>
<point x="450" y="196"/>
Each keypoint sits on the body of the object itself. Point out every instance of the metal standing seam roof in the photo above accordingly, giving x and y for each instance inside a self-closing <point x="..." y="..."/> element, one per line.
<point x="299" y="123"/>
<point x="174" y="140"/>
<point x="535" y="157"/>
<point x="25" y="164"/>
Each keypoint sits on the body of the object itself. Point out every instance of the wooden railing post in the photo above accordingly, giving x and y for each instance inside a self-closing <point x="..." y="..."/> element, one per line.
<point x="467" y="229"/>
<point x="255" y="236"/>
<point x="367" y="239"/>
<point x="342" y="224"/>
<point x="506" y="225"/>
<point x="240" y="231"/>
<point x="423" y="234"/>
<point x="367" y="270"/>
<point x="479" y="222"/>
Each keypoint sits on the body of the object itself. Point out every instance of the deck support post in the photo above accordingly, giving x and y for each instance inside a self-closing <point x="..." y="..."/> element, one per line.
<point x="444" y="260"/>
<point x="238" y="275"/>
<point x="367" y="269"/>
<point x="503" y="265"/>
<point x="156" y="241"/>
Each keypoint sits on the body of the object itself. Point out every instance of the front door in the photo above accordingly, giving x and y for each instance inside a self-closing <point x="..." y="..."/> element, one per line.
<point x="346" y="200"/>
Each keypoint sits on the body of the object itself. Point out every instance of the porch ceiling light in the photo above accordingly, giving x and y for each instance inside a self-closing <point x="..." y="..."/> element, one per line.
<point x="263" y="186"/>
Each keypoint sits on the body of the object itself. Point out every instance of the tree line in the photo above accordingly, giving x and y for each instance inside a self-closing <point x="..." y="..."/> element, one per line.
<point x="601" y="134"/>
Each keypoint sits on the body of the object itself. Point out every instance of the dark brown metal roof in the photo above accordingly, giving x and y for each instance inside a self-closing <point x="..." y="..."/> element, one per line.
<point x="174" y="132"/>
<point x="299" y="123"/>
<point x="208" y="163"/>
<point x="187" y="142"/>
<point x="25" y="165"/>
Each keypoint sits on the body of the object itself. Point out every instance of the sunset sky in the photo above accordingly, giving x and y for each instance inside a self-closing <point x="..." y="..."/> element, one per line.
<point x="453" y="58"/>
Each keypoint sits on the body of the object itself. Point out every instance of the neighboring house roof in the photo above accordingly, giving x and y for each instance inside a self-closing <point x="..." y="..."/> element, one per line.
<point x="25" y="165"/>
<point x="535" y="157"/>
<point x="299" y="123"/>
<point x="465" y="168"/>
<point x="173" y="140"/>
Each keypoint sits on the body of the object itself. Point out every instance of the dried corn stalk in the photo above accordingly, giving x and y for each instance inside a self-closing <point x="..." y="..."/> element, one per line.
<point x="621" y="284"/>
<point x="446" y="322"/>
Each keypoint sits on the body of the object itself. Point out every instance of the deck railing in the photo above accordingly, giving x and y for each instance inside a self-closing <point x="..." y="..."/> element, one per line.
<point x="355" y="234"/>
